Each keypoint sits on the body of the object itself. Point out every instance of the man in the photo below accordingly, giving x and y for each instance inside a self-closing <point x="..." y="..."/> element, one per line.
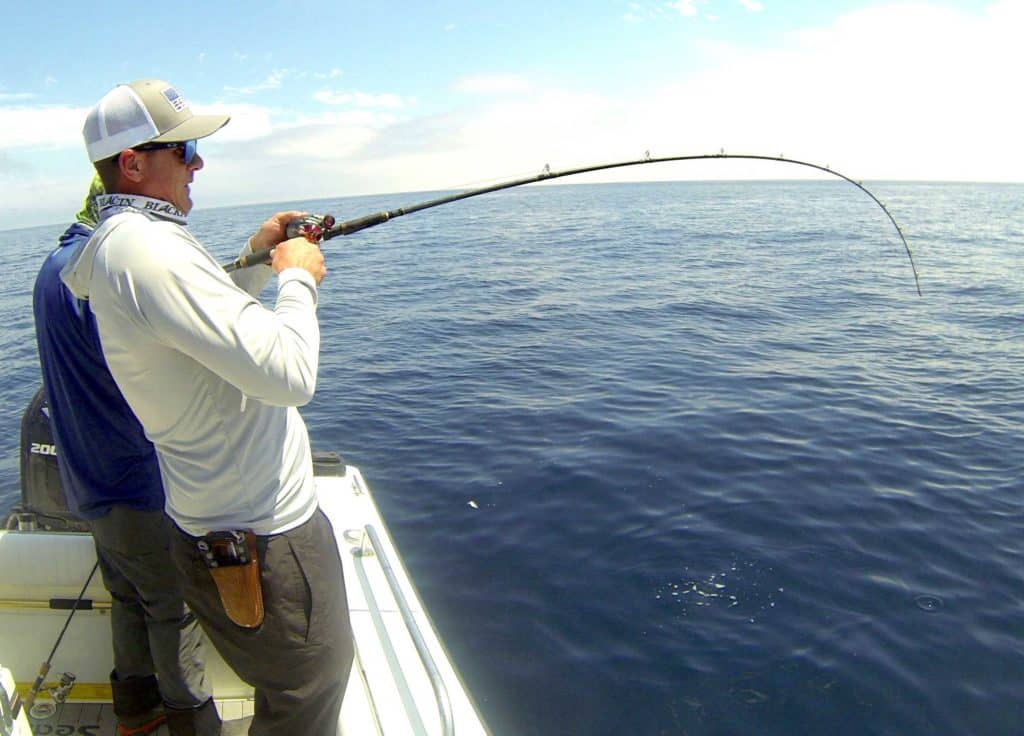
<point x="215" y="379"/>
<point x="110" y="477"/>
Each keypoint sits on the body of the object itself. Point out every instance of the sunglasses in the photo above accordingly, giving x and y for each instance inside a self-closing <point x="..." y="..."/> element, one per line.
<point x="187" y="148"/>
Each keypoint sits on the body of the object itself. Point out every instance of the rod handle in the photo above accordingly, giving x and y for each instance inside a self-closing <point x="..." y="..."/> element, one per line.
<point x="30" y="698"/>
<point x="253" y="259"/>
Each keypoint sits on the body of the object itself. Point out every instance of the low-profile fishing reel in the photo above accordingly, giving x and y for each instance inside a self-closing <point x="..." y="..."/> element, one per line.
<point x="311" y="227"/>
<point x="314" y="228"/>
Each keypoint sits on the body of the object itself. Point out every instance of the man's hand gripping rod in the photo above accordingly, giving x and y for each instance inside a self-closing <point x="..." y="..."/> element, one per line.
<point x="316" y="229"/>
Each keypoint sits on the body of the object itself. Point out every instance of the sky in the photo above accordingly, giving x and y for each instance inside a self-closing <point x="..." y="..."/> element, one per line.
<point x="330" y="98"/>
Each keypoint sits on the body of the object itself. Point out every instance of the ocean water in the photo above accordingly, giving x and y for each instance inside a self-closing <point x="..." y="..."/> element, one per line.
<point x="680" y="458"/>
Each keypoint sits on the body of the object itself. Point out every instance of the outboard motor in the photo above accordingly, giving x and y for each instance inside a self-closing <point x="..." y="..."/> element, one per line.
<point x="43" y="505"/>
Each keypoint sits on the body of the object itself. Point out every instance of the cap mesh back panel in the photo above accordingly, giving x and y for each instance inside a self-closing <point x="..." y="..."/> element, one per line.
<point x="123" y="113"/>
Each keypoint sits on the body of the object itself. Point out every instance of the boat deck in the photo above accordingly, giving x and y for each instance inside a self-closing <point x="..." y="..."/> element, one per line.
<point x="402" y="679"/>
<point x="97" y="719"/>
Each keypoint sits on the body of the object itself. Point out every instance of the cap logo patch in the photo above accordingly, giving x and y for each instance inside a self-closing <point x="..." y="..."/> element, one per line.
<point x="177" y="101"/>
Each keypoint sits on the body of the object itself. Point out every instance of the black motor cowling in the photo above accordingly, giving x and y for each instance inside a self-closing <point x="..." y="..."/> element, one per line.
<point x="43" y="504"/>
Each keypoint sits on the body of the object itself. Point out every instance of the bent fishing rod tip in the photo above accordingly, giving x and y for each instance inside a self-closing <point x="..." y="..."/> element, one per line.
<point x="361" y="223"/>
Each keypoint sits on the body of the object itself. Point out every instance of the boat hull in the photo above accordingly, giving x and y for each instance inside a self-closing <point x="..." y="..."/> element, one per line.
<point x="402" y="680"/>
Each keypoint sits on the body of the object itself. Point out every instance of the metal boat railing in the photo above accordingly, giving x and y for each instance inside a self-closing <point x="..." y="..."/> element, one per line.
<point x="444" y="706"/>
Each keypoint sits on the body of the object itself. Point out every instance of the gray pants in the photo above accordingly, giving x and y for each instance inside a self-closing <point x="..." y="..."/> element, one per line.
<point x="298" y="659"/>
<point x="152" y="630"/>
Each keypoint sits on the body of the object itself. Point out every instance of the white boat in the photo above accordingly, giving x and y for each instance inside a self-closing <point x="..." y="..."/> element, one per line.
<point x="402" y="679"/>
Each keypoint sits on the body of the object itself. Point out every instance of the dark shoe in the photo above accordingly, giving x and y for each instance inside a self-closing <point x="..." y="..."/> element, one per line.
<point x="145" y="728"/>
<point x="201" y="721"/>
<point x="136" y="704"/>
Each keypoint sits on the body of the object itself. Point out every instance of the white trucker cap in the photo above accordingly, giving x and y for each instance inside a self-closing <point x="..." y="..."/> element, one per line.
<point x="146" y="111"/>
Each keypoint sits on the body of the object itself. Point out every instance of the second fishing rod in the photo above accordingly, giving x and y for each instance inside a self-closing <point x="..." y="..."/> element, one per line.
<point x="324" y="227"/>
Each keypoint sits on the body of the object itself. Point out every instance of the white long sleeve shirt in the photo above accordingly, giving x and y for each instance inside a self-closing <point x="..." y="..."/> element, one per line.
<point x="213" y="375"/>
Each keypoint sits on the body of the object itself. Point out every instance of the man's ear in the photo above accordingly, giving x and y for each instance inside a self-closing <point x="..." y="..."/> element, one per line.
<point x="132" y="165"/>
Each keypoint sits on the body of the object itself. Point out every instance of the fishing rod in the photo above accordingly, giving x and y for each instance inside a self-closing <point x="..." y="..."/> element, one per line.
<point x="44" y="668"/>
<point x="320" y="228"/>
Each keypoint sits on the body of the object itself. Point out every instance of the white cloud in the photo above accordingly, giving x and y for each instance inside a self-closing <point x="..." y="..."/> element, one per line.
<point x="273" y="81"/>
<point x="48" y="126"/>
<point x="359" y="99"/>
<point x="330" y="138"/>
<point x="494" y="84"/>
<point x="878" y="93"/>
<point x="634" y="13"/>
<point x="686" y="8"/>
<point x="248" y="122"/>
<point x="6" y="97"/>
<point x="752" y="6"/>
<point x="328" y="97"/>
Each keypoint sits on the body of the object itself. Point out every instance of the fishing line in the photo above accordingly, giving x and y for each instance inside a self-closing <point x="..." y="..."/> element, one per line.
<point x="366" y="221"/>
